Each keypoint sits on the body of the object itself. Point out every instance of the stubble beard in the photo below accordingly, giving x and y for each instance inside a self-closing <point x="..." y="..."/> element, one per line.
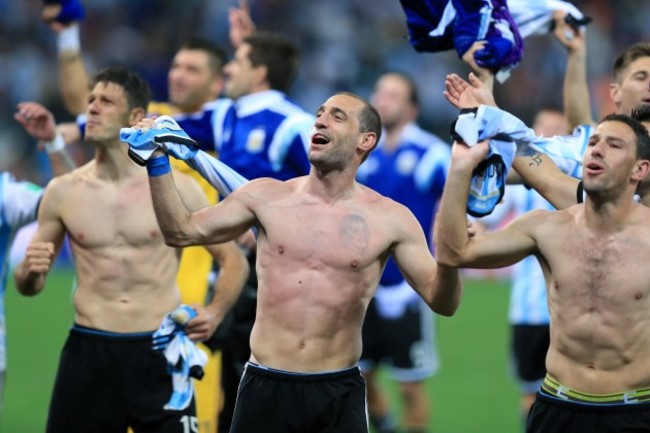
<point x="335" y="160"/>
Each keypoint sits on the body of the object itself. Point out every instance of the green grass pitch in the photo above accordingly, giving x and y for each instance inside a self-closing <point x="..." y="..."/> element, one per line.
<point x="472" y="393"/>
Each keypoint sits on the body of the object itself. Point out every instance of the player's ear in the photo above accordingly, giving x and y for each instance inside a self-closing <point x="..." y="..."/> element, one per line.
<point x="136" y="115"/>
<point x="262" y="75"/>
<point x="641" y="170"/>
<point x="368" y="141"/>
<point x="614" y="93"/>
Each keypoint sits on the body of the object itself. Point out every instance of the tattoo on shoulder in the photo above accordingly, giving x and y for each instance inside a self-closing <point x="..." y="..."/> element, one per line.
<point x="354" y="233"/>
<point x="536" y="160"/>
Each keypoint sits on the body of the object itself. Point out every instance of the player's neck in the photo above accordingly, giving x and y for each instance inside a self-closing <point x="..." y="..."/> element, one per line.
<point x="331" y="185"/>
<point x="608" y="214"/>
<point x="112" y="161"/>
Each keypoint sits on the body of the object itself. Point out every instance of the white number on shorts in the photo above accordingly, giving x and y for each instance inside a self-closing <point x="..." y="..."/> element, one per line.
<point x="190" y="424"/>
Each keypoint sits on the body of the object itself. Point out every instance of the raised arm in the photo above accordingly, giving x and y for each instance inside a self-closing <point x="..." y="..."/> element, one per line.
<point x="439" y="286"/>
<point x="31" y="272"/>
<point x="219" y="223"/>
<point x="39" y="123"/>
<point x="73" y="76"/>
<point x="542" y="174"/>
<point x="240" y="23"/>
<point x="577" y="104"/>
<point x="233" y="268"/>
<point x="537" y="170"/>
<point x="453" y="245"/>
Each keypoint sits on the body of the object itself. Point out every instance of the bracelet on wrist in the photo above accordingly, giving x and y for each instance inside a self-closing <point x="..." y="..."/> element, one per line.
<point x="68" y="40"/>
<point x="158" y="166"/>
<point x="55" y="145"/>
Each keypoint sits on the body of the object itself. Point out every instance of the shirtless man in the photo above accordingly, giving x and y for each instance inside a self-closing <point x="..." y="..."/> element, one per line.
<point x="593" y="255"/>
<point x="109" y="377"/>
<point x="323" y="241"/>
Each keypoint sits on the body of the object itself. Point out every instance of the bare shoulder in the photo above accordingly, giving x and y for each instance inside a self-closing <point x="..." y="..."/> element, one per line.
<point x="540" y="218"/>
<point x="268" y="188"/>
<point x="642" y="214"/>
<point x="64" y="185"/>
<point x="386" y="208"/>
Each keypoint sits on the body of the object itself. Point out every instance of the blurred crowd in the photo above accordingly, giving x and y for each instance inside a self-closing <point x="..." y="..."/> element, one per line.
<point x="345" y="45"/>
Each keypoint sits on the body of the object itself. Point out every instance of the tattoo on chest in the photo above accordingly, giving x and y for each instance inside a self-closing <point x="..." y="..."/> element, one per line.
<point x="354" y="233"/>
<point x="535" y="159"/>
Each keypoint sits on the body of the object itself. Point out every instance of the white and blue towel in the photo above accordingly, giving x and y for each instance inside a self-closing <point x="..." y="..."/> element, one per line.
<point x="535" y="17"/>
<point x="488" y="181"/>
<point x="508" y="136"/>
<point x="218" y="174"/>
<point x="166" y="135"/>
<point x="184" y="359"/>
<point x="169" y="137"/>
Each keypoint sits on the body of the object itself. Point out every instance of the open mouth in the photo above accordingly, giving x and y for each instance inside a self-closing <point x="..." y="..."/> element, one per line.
<point x="594" y="168"/>
<point x="319" y="139"/>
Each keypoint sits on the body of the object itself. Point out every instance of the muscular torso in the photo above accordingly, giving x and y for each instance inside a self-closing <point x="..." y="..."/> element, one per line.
<point x="599" y="300"/>
<point x="125" y="272"/>
<point x="318" y="265"/>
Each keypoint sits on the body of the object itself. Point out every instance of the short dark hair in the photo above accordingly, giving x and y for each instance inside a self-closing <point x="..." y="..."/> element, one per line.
<point x="135" y="88"/>
<point x="627" y="56"/>
<point x="216" y="55"/>
<point x="369" y="120"/>
<point x="278" y="54"/>
<point x="642" y="137"/>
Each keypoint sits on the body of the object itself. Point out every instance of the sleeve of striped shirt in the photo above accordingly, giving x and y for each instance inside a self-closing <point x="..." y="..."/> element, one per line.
<point x="19" y="201"/>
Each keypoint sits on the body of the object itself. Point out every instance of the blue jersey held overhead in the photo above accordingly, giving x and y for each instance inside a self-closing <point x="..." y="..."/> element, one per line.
<point x="259" y="135"/>
<point x="413" y="174"/>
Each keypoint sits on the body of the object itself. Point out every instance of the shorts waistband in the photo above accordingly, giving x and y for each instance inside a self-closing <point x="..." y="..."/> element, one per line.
<point x="79" y="329"/>
<point x="259" y="370"/>
<point x="553" y="388"/>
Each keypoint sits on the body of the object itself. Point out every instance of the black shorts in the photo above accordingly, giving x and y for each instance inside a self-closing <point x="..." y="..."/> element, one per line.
<point x="529" y="347"/>
<point x="273" y="401"/>
<point x="107" y="382"/>
<point x="552" y="415"/>
<point x="406" y="344"/>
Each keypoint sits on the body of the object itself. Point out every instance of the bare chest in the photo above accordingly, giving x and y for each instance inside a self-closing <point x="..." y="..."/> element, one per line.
<point x="599" y="271"/>
<point x="101" y="216"/>
<point x="339" y="238"/>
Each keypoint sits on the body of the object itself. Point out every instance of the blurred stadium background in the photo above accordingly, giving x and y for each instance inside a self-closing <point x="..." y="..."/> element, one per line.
<point x="345" y="45"/>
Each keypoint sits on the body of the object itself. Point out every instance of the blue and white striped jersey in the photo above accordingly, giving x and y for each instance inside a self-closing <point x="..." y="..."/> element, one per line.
<point x="18" y="207"/>
<point x="259" y="135"/>
<point x="413" y="175"/>
<point x="528" y="305"/>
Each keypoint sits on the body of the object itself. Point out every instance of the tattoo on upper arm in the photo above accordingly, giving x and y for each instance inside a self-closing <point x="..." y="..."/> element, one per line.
<point x="536" y="160"/>
<point x="354" y="233"/>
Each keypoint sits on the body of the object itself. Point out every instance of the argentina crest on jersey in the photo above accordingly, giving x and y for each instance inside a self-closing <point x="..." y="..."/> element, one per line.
<point x="406" y="162"/>
<point x="255" y="140"/>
